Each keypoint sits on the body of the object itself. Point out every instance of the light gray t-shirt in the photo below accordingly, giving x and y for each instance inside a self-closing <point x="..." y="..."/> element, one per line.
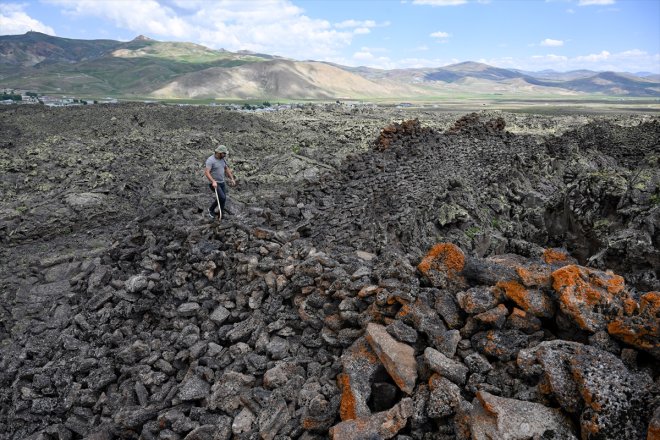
<point x="217" y="168"/>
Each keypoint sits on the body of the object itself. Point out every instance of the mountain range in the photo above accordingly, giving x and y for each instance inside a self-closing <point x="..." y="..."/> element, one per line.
<point x="144" y="67"/>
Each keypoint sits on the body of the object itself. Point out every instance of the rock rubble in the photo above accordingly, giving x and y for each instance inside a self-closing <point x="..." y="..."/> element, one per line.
<point x="414" y="300"/>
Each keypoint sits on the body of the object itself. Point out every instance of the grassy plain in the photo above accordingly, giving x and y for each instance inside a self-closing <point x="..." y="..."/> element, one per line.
<point x="538" y="105"/>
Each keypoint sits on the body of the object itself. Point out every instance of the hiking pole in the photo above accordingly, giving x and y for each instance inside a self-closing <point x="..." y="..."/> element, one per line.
<point x="215" y="191"/>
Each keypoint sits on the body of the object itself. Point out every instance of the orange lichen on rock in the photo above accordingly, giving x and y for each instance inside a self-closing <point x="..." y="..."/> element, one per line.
<point x="545" y="387"/>
<point x="589" y="426"/>
<point x="630" y="306"/>
<point x="586" y="393"/>
<point x="591" y="297"/>
<point x="534" y="275"/>
<point x="612" y="282"/>
<point x="443" y="256"/>
<point x="637" y="336"/>
<point x="532" y="301"/>
<point x="403" y="311"/>
<point x="643" y="330"/>
<point x="514" y="291"/>
<point x="650" y="302"/>
<point x="308" y="424"/>
<point x="654" y="428"/>
<point x="486" y="404"/>
<point x="578" y="295"/>
<point x="364" y="351"/>
<point x="551" y="256"/>
<point x="492" y="346"/>
<point x="347" y="409"/>
<point x="494" y="317"/>
<point x="443" y="261"/>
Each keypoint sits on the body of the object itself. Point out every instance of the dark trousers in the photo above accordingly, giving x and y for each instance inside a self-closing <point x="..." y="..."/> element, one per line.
<point x="222" y="195"/>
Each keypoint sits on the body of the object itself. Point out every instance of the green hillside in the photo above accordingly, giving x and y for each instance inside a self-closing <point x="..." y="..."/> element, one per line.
<point x="179" y="52"/>
<point x="134" y="68"/>
<point x="34" y="47"/>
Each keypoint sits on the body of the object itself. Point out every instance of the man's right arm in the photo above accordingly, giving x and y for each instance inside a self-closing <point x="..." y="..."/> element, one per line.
<point x="207" y="173"/>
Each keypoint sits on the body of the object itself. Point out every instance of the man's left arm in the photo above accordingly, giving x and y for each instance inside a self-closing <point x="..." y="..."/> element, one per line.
<point x="230" y="174"/>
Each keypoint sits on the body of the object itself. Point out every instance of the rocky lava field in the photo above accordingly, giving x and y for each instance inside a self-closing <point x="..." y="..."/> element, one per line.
<point x="386" y="274"/>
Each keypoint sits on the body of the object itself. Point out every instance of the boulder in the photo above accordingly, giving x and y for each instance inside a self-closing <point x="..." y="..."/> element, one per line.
<point x="444" y="397"/>
<point x="590" y="297"/>
<point x="501" y="344"/>
<point x="612" y="401"/>
<point x="443" y="265"/>
<point x="360" y="364"/>
<point x="397" y="357"/>
<point x="448" y="368"/>
<point x="495" y="417"/>
<point x="194" y="388"/>
<point x="477" y="299"/>
<point x="639" y="326"/>
<point x="383" y="425"/>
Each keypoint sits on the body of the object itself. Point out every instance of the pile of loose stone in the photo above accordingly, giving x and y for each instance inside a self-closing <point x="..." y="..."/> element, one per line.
<point x="251" y="334"/>
<point x="316" y="315"/>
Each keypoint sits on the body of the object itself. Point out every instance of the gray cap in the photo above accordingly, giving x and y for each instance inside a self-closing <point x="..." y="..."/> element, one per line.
<point x="222" y="149"/>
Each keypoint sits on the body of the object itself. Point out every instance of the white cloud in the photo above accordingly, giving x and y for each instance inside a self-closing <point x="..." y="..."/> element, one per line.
<point x="359" y="27"/>
<point x="366" y="58"/>
<point x="140" y="16"/>
<point x="355" y="24"/>
<point x="595" y="2"/>
<point x="633" y="60"/>
<point x="439" y="2"/>
<point x="548" y="58"/>
<point x="439" y="35"/>
<point x="14" y="20"/>
<point x="276" y="27"/>
<point x="187" y="4"/>
<point x="633" y="53"/>
<point x="374" y="49"/>
<point x="593" y="58"/>
<point x="363" y="55"/>
<point x="418" y="63"/>
<point x="552" y="43"/>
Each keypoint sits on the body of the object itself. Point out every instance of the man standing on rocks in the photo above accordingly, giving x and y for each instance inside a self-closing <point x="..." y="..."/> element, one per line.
<point x="215" y="170"/>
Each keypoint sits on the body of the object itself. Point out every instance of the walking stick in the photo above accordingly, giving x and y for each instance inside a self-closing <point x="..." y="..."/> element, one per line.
<point x="215" y="191"/>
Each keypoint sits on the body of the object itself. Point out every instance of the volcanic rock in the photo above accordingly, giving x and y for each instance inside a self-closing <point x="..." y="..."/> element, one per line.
<point x="452" y="370"/>
<point x="398" y="358"/>
<point x="383" y="425"/>
<point x="497" y="417"/>
<point x="366" y="287"/>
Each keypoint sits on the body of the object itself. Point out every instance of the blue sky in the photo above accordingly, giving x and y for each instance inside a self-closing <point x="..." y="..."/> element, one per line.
<point x="619" y="35"/>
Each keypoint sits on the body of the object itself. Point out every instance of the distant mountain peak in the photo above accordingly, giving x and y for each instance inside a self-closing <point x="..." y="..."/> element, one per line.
<point x="470" y="64"/>
<point x="142" y="38"/>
